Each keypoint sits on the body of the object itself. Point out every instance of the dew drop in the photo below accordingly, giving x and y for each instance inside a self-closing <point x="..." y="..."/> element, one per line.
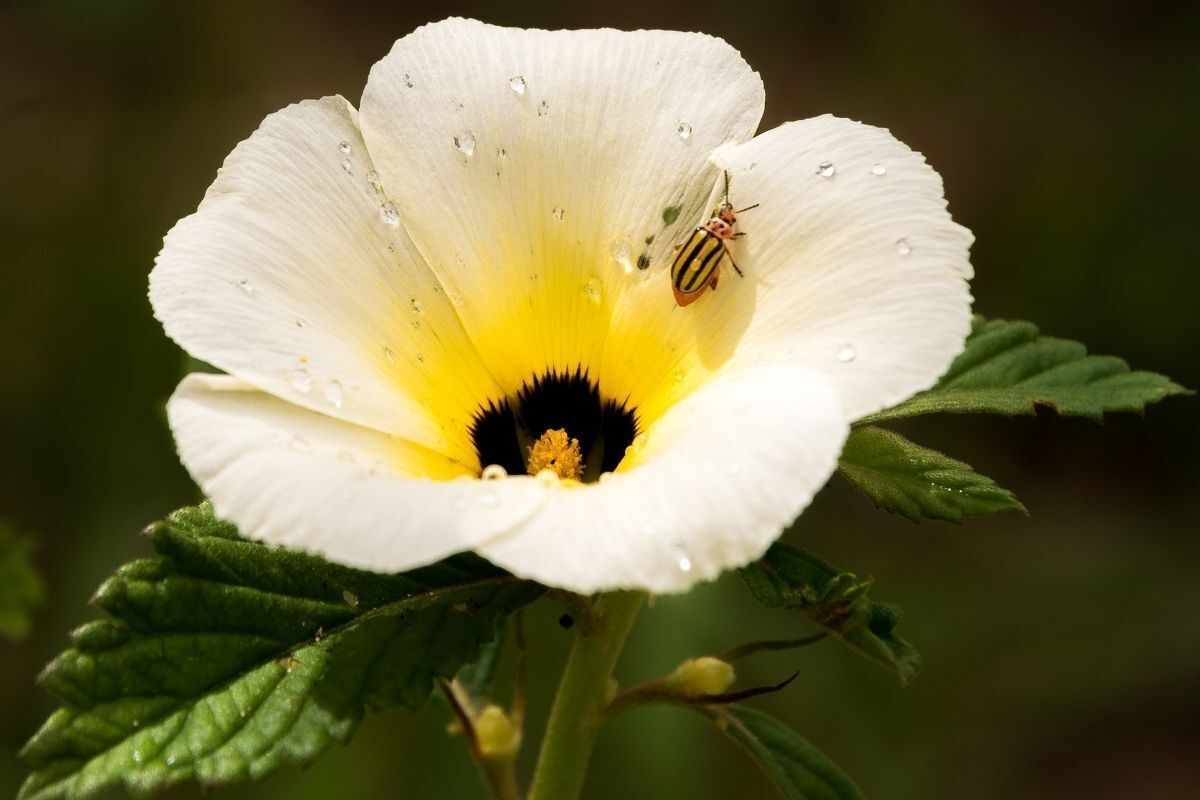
<point x="826" y="169"/>
<point x="605" y="477"/>
<point x="547" y="477"/>
<point x="301" y="380"/>
<point x="879" y="169"/>
<point x="488" y="500"/>
<point x="558" y="213"/>
<point x="347" y="166"/>
<point x="137" y="756"/>
<point x="334" y="394"/>
<point x="137" y="722"/>
<point x="465" y="144"/>
<point x="682" y="559"/>
<point x="639" y="443"/>
<point x="170" y="761"/>
<point x="683" y="131"/>
<point x="493" y="472"/>
<point x="680" y="375"/>
<point x="621" y="249"/>
<point x="374" y="182"/>
<point x="903" y="247"/>
<point x="388" y="215"/>
<point x="517" y="84"/>
<point x="299" y="444"/>
<point x="847" y="353"/>
<point x="242" y="713"/>
<point x="416" y="306"/>
<point x="246" y="286"/>
<point x="591" y="289"/>
<point x="344" y="146"/>
<point x="390" y="355"/>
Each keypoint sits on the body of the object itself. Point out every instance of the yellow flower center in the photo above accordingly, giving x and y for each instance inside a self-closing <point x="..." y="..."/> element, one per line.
<point x="557" y="452"/>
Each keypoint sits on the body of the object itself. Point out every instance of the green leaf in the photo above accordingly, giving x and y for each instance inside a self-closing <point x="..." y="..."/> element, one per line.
<point x="788" y="577"/>
<point x="20" y="588"/>
<point x="799" y="770"/>
<point x="478" y="677"/>
<point x="226" y="659"/>
<point x="916" y="482"/>
<point x="1009" y="368"/>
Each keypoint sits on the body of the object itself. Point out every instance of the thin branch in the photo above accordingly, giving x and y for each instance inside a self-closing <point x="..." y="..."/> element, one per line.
<point x="660" y="691"/>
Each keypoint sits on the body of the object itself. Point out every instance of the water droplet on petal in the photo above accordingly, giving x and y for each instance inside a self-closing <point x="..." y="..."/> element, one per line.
<point x="847" y="353"/>
<point x="246" y="286"/>
<point x="620" y="249"/>
<point x="301" y="380"/>
<point x="388" y="215"/>
<point x="517" y="84"/>
<point x="591" y="289"/>
<point x="299" y="445"/>
<point x="344" y="146"/>
<point x="390" y="355"/>
<point x="493" y="472"/>
<point x="680" y="375"/>
<point x="903" y="247"/>
<point x="682" y="559"/>
<point x="465" y="144"/>
<point x="170" y="761"/>
<point x="683" y="131"/>
<point x="547" y="477"/>
<point x="879" y="169"/>
<point x="558" y="213"/>
<point x="374" y="182"/>
<point x="347" y="166"/>
<point x="489" y="500"/>
<point x="639" y="443"/>
<point x="605" y="477"/>
<point x="826" y="169"/>
<point x="334" y="393"/>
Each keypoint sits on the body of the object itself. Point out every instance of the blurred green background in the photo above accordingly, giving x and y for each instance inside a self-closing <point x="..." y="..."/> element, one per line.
<point x="1062" y="650"/>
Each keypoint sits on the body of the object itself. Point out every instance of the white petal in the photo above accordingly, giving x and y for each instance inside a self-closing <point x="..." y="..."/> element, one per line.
<point x="854" y="270"/>
<point x="720" y="476"/>
<point x="289" y="277"/>
<point x="534" y="205"/>
<point x="296" y="478"/>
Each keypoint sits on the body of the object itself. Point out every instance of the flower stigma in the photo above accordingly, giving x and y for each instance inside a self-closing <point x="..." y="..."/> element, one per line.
<point x="556" y="451"/>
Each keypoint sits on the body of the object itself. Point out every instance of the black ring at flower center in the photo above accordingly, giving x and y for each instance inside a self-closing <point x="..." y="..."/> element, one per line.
<point x="503" y="431"/>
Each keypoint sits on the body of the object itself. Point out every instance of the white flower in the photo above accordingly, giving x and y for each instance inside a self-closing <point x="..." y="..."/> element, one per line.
<point x="480" y="254"/>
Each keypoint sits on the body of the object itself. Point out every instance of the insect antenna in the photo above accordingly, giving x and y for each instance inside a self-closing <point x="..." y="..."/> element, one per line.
<point x="747" y="208"/>
<point x="726" y="186"/>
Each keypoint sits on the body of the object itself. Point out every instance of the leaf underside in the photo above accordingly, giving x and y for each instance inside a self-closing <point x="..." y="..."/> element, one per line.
<point x="789" y="577"/>
<point x="226" y="659"/>
<point x="918" y="483"/>
<point x="799" y="770"/>
<point x="1008" y="367"/>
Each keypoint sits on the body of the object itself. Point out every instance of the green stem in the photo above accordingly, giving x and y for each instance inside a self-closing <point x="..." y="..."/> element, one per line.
<point x="582" y="696"/>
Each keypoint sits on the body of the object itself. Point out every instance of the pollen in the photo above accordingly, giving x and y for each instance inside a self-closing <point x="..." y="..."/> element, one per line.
<point x="556" y="451"/>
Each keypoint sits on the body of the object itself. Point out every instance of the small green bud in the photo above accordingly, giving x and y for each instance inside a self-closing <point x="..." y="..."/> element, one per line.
<point x="701" y="676"/>
<point x="496" y="734"/>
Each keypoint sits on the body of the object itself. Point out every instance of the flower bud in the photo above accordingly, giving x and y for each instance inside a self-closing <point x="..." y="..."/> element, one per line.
<point x="700" y="676"/>
<point x="496" y="734"/>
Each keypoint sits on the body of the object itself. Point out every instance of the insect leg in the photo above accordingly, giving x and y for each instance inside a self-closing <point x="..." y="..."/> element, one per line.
<point x="736" y="268"/>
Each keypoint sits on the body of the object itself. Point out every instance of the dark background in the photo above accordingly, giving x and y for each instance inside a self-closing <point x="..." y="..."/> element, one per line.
<point x="1062" y="650"/>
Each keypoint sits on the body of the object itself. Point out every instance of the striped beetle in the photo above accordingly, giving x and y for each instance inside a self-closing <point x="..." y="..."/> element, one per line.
<point x="698" y="260"/>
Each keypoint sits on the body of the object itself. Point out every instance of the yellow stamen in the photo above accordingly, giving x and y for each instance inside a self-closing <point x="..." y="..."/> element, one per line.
<point x="557" y="452"/>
